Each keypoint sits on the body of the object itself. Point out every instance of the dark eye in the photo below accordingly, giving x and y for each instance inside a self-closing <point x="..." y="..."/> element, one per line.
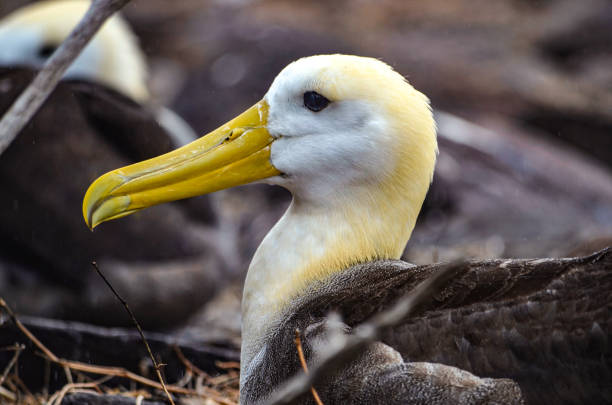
<point x="46" y="50"/>
<point x="314" y="101"/>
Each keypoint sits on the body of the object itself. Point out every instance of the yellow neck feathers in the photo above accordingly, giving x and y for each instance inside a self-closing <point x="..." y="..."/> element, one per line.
<point x="309" y="244"/>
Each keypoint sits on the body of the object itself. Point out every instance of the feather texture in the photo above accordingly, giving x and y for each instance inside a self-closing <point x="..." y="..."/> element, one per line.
<point x="543" y="323"/>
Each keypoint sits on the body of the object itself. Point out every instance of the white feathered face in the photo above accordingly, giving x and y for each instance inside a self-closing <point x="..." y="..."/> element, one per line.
<point x="328" y="135"/>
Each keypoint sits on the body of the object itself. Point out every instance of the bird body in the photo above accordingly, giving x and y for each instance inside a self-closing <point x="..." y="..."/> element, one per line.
<point x="543" y="323"/>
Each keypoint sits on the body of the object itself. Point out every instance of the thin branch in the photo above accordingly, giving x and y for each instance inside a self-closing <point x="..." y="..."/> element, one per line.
<point x="68" y="375"/>
<point x="364" y="334"/>
<point x="30" y="100"/>
<point x="298" y="345"/>
<point x="137" y="325"/>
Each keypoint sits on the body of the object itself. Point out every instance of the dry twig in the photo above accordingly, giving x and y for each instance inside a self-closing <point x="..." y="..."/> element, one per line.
<point x="30" y="100"/>
<point x="298" y="345"/>
<point x="363" y="334"/>
<point x="156" y="365"/>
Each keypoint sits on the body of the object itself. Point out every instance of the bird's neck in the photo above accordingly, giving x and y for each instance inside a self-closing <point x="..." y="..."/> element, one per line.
<point x="310" y="243"/>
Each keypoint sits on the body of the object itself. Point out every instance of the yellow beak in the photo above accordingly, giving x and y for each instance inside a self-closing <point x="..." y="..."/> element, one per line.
<point x="234" y="154"/>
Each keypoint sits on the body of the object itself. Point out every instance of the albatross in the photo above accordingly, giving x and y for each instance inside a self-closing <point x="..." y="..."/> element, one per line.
<point x="356" y="146"/>
<point x="113" y="58"/>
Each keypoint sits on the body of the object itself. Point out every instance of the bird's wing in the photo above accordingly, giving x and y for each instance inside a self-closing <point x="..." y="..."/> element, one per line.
<point x="379" y="375"/>
<point x="543" y="323"/>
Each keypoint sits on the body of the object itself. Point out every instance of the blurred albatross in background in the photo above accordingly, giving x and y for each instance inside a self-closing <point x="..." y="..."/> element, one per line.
<point x="113" y="58"/>
<point x="99" y="117"/>
<point x="356" y="146"/>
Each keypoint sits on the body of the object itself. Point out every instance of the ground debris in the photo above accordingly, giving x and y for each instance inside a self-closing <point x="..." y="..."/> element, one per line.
<point x="107" y="366"/>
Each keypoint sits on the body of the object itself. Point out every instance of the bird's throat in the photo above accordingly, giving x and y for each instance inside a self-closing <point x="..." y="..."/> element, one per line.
<point x="308" y="245"/>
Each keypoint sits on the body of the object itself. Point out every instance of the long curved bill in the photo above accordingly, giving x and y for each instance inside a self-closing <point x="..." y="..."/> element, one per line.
<point x="234" y="154"/>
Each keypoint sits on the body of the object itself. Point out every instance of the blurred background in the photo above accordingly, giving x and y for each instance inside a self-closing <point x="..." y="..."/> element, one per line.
<point x="522" y="92"/>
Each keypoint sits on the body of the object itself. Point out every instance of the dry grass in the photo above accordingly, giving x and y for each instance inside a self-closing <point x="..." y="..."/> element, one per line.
<point x="195" y="387"/>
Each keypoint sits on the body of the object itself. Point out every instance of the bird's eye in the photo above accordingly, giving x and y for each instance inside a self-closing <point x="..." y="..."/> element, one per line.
<point x="314" y="101"/>
<point x="46" y="50"/>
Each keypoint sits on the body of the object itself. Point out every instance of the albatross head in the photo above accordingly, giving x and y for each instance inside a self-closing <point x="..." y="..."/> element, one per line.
<point x="331" y="129"/>
<point x="347" y="135"/>
<point x="31" y="34"/>
<point x="346" y="123"/>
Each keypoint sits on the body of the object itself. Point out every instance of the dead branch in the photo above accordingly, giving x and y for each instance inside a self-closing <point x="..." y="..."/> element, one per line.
<point x="342" y="352"/>
<point x="26" y="105"/>
<point x="156" y="365"/>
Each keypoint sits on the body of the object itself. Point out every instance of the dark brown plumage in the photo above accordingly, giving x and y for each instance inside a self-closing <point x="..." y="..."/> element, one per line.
<point x="543" y="323"/>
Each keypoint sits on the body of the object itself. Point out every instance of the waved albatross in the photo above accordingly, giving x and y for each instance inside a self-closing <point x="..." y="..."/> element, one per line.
<point x="356" y="146"/>
<point x="29" y="35"/>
